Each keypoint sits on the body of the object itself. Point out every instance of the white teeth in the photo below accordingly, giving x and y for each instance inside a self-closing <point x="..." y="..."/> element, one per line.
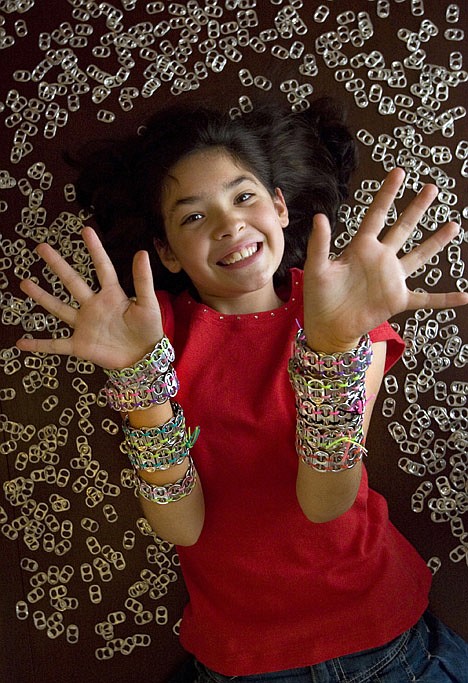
<point x="239" y="255"/>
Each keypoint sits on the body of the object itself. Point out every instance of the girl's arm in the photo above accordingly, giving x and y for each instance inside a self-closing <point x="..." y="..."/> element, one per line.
<point x="115" y="332"/>
<point x="179" y="522"/>
<point x="324" y="497"/>
<point x="347" y="297"/>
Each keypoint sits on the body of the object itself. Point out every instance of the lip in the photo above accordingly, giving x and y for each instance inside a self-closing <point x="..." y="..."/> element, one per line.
<point x="239" y="247"/>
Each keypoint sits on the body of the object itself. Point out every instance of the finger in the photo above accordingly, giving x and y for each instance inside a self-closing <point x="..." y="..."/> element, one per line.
<point x="105" y="270"/>
<point x="49" y="302"/>
<point x="410" y="217"/>
<point x="63" y="346"/>
<point x="64" y="271"/>
<point x="143" y="278"/>
<point x="376" y="215"/>
<point x="419" y="300"/>
<point x="318" y="247"/>
<point x="429" y="248"/>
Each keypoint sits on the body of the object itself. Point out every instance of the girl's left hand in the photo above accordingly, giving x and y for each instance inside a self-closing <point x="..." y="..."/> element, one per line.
<point x="347" y="297"/>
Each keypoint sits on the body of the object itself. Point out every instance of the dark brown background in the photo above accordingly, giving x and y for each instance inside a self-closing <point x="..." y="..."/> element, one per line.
<point x="28" y="654"/>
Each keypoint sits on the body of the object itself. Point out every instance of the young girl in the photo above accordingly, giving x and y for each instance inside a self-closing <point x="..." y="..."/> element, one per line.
<point x="293" y="569"/>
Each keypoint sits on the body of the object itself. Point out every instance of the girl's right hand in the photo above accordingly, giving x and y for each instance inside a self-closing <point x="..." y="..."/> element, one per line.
<point x="109" y="329"/>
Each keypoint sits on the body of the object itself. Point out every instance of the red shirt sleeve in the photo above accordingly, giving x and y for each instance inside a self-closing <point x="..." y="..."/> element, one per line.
<point x="395" y="344"/>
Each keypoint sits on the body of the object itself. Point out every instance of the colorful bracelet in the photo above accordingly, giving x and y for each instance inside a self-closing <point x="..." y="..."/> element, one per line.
<point x="171" y="493"/>
<point x="151" y="380"/>
<point x="156" y="362"/>
<point x="335" y="461"/>
<point x="330" y="402"/>
<point x="355" y="361"/>
<point x="158" y="448"/>
<point x="143" y="438"/>
<point x="329" y="450"/>
<point x="331" y="414"/>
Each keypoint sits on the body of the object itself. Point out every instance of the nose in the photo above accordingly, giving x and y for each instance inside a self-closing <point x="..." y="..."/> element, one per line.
<point x="227" y="224"/>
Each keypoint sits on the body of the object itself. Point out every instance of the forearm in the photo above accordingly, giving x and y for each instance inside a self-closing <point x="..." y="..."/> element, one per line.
<point x="334" y="399"/>
<point x="158" y="444"/>
<point x="178" y="522"/>
<point x="324" y="496"/>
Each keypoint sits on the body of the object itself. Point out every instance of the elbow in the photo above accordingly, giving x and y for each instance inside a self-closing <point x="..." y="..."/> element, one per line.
<point x="321" y="515"/>
<point x="186" y="538"/>
<point x="183" y="536"/>
<point x="324" y="496"/>
<point x="180" y="523"/>
<point x="324" y="506"/>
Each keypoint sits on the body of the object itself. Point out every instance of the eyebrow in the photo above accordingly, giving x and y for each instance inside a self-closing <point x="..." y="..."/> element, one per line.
<point x="184" y="201"/>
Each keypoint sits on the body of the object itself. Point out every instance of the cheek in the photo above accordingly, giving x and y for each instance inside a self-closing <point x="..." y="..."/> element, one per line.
<point x="179" y="242"/>
<point x="279" y="232"/>
<point x="190" y="249"/>
<point x="280" y="242"/>
<point x="281" y="246"/>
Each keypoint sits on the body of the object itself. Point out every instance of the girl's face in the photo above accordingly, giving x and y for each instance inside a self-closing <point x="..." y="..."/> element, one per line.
<point x="225" y="230"/>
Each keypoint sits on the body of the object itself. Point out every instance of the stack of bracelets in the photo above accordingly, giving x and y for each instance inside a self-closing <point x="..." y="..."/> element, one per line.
<point x="330" y="400"/>
<point x="153" y="380"/>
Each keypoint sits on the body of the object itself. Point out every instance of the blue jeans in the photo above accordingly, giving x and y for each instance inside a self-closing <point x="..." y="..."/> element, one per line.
<point x="429" y="652"/>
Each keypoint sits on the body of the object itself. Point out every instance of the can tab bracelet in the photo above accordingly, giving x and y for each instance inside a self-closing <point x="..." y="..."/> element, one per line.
<point x="170" y="493"/>
<point x="151" y="380"/>
<point x="322" y="365"/>
<point x="330" y="401"/>
<point x="159" y="448"/>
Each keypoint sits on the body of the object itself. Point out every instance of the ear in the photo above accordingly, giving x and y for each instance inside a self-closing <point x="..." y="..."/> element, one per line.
<point x="281" y="208"/>
<point x="167" y="256"/>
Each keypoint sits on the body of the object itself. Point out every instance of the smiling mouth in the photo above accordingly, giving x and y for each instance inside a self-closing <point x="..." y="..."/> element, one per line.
<point x="241" y="255"/>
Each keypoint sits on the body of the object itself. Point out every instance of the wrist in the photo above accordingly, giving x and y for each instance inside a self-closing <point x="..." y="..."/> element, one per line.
<point x="150" y="381"/>
<point x="322" y="343"/>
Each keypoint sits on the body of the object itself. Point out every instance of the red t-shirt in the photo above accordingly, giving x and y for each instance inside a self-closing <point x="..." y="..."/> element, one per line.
<point x="269" y="590"/>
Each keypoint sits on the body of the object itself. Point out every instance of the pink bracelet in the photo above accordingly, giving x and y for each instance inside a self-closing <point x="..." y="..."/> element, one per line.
<point x="151" y="380"/>
<point x="171" y="493"/>
<point x="330" y="401"/>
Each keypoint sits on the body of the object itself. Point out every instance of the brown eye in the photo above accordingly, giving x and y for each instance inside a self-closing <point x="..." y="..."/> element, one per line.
<point x="192" y="218"/>
<point x="243" y="197"/>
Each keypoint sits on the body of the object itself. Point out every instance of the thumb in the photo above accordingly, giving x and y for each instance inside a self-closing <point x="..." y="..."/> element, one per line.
<point x="143" y="278"/>
<point x="318" y="247"/>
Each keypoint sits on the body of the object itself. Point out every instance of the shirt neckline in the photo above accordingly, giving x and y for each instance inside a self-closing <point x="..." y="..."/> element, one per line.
<point x="291" y="303"/>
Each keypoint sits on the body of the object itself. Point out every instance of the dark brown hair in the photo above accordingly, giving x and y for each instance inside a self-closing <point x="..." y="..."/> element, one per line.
<point x="309" y="155"/>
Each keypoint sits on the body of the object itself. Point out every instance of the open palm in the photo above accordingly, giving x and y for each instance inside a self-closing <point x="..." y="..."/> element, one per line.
<point x="109" y="329"/>
<point x="346" y="297"/>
